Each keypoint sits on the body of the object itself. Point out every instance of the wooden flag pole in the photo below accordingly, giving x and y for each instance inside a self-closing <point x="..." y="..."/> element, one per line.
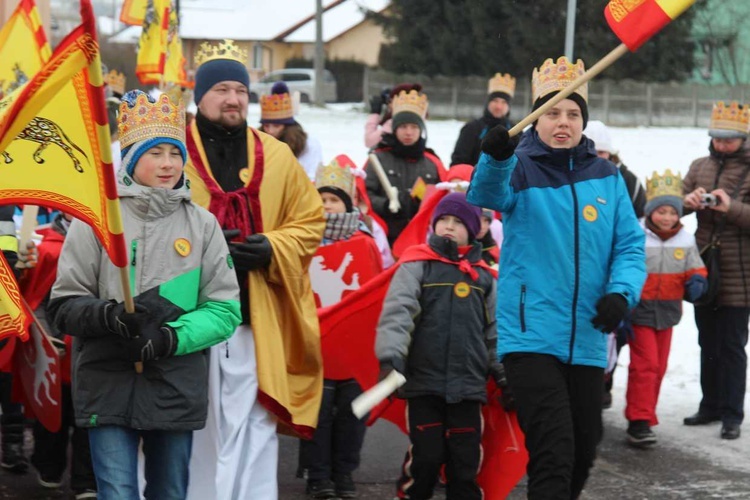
<point x="127" y="298"/>
<point x="597" y="68"/>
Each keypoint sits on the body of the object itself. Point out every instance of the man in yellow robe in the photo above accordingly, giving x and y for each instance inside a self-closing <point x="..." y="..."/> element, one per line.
<point x="270" y="372"/>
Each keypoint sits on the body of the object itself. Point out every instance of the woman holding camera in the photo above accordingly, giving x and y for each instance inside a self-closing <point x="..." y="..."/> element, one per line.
<point x="716" y="188"/>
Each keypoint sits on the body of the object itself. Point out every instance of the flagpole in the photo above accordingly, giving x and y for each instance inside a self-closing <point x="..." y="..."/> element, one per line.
<point x="597" y="68"/>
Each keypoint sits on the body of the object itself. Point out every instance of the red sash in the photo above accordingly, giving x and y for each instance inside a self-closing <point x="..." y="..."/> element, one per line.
<point x="232" y="209"/>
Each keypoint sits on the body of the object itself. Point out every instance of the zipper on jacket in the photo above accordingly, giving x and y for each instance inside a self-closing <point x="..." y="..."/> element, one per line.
<point x="424" y="427"/>
<point x="577" y="263"/>
<point x="133" y="254"/>
<point x="522" y="308"/>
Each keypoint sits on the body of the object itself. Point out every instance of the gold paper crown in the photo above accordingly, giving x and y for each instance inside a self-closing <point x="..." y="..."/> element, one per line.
<point x="411" y="101"/>
<point x="555" y="76"/>
<point x="734" y="117"/>
<point x="116" y="81"/>
<point x="667" y="185"/>
<point x="146" y="120"/>
<point x="502" y="83"/>
<point x="335" y="175"/>
<point x="225" y="50"/>
<point x="276" y="107"/>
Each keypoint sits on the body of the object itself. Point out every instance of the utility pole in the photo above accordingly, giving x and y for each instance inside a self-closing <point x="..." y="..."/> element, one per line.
<point x="319" y="59"/>
<point x="570" y="29"/>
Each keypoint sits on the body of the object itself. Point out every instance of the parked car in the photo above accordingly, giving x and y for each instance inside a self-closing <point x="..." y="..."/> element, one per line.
<point x="297" y="79"/>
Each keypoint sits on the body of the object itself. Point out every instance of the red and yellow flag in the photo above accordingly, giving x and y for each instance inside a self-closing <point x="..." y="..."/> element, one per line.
<point x="635" y="21"/>
<point x="160" y="58"/>
<point x="14" y="318"/>
<point x="133" y="12"/>
<point x="23" y="29"/>
<point x="54" y="139"/>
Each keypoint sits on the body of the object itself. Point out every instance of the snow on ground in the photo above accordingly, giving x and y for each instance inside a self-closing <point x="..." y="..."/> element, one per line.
<point x="340" y="129"/>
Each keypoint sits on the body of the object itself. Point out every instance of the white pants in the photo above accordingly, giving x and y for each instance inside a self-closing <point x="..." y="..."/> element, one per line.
<point x="235" y="457"/>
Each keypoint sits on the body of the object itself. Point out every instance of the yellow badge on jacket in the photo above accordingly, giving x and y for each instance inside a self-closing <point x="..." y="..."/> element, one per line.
<point x="462" y="290"/>
<point x="679" y="253"/>
<point x="590" y="213"/>
<point x="182" y="246"/>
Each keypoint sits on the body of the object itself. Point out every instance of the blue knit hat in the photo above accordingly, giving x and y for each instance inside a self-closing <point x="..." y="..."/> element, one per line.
<point x="455" y="204"/>
<point x="218" y="70"/>
<point x="145" y="122"/>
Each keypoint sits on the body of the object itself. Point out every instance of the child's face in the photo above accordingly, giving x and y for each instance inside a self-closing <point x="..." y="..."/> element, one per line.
<point x="664" y="217"/>
<point x="484" y="228"/>
<point x="332" y="204"/>
<point x="451" y="227"/>
<point x="408" y="133"/>
<point x="159" y="167"/>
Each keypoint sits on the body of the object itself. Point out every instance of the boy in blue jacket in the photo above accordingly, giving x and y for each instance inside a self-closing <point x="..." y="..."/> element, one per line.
<point x="572" y="265"/>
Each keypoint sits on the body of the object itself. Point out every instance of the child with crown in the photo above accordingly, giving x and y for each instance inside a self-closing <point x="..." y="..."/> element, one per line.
<point x="571" y="266"/>
<point x="277" y="119"/>
<point x="500" y="90"/>
<point x="407" y="163"/>
<point x="348" y="250"/>
<point x="716" y="188"/>
<point x="675" y="270"/>
<point x="186" y="299"/>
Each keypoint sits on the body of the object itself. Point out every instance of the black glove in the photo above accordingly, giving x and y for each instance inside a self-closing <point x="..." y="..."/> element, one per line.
<point x="376" y="104"/>
<point x="254" y="253"/>
<point x="154" y="343"/>
<point x="126" y="325"/>
<point x="610" y="310"/>
<point x="498" y="143"/>
<point x="230" y="234"/>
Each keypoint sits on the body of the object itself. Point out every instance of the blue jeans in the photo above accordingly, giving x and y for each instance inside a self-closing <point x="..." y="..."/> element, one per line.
<point x="114" y="453"/>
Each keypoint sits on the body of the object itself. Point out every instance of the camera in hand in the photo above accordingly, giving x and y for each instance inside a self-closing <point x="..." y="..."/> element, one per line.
<point x="709" y="200"/>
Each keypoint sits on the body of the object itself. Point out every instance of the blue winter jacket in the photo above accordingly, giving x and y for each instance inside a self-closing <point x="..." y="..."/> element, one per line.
<point x="571" y="236"/>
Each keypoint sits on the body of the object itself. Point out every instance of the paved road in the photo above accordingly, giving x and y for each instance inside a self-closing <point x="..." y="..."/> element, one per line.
<point x="622" y="473"/>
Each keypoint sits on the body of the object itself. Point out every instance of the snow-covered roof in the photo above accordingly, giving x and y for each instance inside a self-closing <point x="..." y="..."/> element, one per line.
<point x="337" y="20"/>
<point x="262" y="20"/>
<point x="241" y="19"/>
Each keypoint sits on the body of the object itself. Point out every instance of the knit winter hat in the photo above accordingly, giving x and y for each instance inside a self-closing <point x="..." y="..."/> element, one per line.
<point x="455" y="204"/>
<point x="145" y="122"/>
<point x="409" y="107"/>
<point x="219" y="70"/>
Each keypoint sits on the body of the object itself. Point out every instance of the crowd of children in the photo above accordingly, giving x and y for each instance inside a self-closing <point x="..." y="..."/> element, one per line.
<point x="448" y="323"/>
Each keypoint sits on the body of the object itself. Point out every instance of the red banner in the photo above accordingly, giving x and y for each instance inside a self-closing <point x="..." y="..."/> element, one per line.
<point x="635" y="21"/>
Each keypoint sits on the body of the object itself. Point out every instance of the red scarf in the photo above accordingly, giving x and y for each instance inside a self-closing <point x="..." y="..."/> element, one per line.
<point x="238" y="209"/>
<point x="663" y="235"/>
<point x="425" y="252"/>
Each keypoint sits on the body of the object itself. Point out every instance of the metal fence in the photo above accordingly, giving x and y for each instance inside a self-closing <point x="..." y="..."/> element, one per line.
<point x="623" y="103"/>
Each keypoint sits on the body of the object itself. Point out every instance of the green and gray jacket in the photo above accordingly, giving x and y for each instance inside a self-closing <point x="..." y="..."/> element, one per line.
<point x="181" y="271"/>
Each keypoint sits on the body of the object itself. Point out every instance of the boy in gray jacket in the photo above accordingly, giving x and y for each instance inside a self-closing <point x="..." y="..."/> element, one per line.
<point x="187" y="299"/>
<point x="437" y="327"/>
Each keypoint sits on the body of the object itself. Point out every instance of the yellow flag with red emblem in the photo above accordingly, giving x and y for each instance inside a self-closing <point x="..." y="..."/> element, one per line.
<point x="635" y="21"/>
<point x="23" y="29"/>
<point x="171" y="66"/>
<point x="54" y="139"/>
<point x="23" y="47"/>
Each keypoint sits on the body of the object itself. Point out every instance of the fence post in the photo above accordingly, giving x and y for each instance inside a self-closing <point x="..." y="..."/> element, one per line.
<point x="454" y="99"/>
<point x="649" y="104"/>
<point x="366" y="85"/>
<point x="605" y="102"/>
<point x="695" y="105"/>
